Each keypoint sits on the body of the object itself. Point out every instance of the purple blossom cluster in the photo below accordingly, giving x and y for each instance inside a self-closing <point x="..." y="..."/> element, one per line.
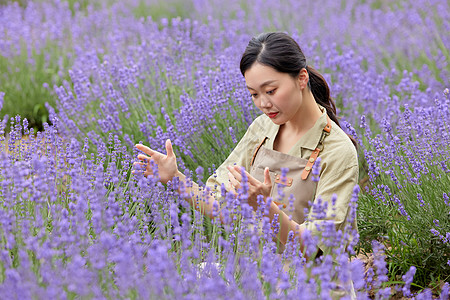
<point x="76" y="223"/>
<point x="408" y="169"/>
<point x="404" y="31"/>
<point x="111" y="50"/>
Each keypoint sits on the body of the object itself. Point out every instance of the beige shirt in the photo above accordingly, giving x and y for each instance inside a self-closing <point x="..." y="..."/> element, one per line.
<point x="339" y="164"/>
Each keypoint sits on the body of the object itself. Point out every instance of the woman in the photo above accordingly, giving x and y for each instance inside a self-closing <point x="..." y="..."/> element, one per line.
<point x="298" y="126"/>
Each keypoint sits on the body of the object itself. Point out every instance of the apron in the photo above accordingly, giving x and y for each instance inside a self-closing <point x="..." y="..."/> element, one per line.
<point x="298" y="182"/>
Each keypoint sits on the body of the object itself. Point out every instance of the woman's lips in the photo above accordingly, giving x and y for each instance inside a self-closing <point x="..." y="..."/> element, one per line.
<point x="272" y="115"/>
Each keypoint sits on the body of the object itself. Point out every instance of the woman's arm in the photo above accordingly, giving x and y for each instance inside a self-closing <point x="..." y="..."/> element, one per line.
<point x="199" y="198"/>
<point x="286" y="225"/>
<point x="203" y="200"/>
<point x="255" y="188"/>
<point x="340" y="184"/>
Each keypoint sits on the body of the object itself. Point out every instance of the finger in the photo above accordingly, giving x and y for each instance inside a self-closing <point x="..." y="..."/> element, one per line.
<point x="141" y="172"/>
<point x="138" y="172"/>
<point x="251" y="180"/>
<point x="143" y="157"/>
<point x="141" y="165"/>
<point x="267" y="180"/>
<point x="231" y="188"/>
<point x="138" y="167"/>
<point x="236" y="172"/>
<point x="169" y="148"/>
<point x="236" y="184"/>
<point x="147" y="150"/>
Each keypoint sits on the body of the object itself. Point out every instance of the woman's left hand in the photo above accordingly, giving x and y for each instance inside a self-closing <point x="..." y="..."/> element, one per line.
<point x="255" y="187"/>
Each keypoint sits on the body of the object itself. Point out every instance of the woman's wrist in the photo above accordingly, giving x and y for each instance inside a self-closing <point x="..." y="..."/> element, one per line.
<point x="180" y="175"/>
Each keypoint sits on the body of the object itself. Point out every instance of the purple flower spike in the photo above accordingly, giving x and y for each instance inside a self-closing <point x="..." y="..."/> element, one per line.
<point x="316" y="170"/>
<point x="445" y="291"/>
<point x="357" y="271"/>
<point x="75" y="224"/>
<point x="2" y="97"/>
<point x="408" y="279"/>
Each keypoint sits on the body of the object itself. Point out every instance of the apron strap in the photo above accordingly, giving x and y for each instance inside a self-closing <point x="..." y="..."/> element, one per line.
<point x="326" y="132"/>
<point x="257" y="149"/>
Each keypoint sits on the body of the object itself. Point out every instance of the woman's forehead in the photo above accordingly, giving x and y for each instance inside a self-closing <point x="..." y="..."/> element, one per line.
<point x="260" y="75"/>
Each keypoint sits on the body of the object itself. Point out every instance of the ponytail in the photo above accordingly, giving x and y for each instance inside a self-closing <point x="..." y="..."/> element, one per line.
<point x="321" y="92"/>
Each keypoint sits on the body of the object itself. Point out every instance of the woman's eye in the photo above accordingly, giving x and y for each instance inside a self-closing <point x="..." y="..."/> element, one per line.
<point x="271" y="92"/>
<point x="253" y="95"/>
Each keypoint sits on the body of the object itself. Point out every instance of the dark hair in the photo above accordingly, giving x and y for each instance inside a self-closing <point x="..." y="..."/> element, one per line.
<point x="281" y="52"/>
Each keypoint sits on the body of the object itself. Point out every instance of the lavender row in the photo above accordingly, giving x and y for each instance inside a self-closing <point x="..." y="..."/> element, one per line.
<point x="392" y="31"/>
<point x="406" y="203"/>
<point x="50" y="38"/>
<point x="80" y="225"/>
<point x="144" y="80"/>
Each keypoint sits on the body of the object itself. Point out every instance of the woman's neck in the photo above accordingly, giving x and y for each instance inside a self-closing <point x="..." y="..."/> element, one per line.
<point x="306" y="116"/>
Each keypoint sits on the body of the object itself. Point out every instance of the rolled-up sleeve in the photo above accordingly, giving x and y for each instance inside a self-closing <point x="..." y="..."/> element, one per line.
<point x="338" y="185"/>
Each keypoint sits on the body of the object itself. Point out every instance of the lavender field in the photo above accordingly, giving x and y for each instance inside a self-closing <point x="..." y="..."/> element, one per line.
<point x="82" y="82"/>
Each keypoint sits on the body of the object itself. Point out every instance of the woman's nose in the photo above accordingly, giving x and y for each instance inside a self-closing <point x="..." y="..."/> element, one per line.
<point x="265" y="102"/>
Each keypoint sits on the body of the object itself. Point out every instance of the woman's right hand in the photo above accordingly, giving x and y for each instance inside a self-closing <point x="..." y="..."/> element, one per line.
<point x="167" y="164"/>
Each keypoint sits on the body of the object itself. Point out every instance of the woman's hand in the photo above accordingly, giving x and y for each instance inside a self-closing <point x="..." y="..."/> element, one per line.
<point x="167" y="164"/>
<point x="255" y="187"/>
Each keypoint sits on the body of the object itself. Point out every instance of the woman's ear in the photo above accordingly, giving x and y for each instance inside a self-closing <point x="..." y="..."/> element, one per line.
<point x="303" y="78"/>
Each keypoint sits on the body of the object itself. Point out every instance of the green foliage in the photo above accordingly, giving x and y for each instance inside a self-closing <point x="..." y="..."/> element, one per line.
<point x="20" y="2"/>
<point x="162" y="9"/>
<point x="27" y="81"/>
<point x="408" y="236"/>
<point x="75" y="5"/>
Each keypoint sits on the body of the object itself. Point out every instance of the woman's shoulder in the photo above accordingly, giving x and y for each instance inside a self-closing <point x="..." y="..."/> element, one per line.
<point x="261" y="119"/>
<point x="340" y="148"/>
<point x="260" y="127"/>
<point x="263" y="124"/>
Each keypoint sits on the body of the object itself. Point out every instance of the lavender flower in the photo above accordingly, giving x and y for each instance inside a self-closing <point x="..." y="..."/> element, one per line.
<point x="357" y="272"/>
<point x="2" y="97"/>
<point x="408" y="278"/>
<point x="316" y="170"/>
<point x="75" y="224"/>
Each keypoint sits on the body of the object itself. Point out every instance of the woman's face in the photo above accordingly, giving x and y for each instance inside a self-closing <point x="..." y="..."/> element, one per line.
<point x="276" y="94"/>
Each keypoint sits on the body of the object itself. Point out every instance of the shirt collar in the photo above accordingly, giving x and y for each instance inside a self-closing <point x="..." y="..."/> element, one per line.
<point x="311" y="138"/>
